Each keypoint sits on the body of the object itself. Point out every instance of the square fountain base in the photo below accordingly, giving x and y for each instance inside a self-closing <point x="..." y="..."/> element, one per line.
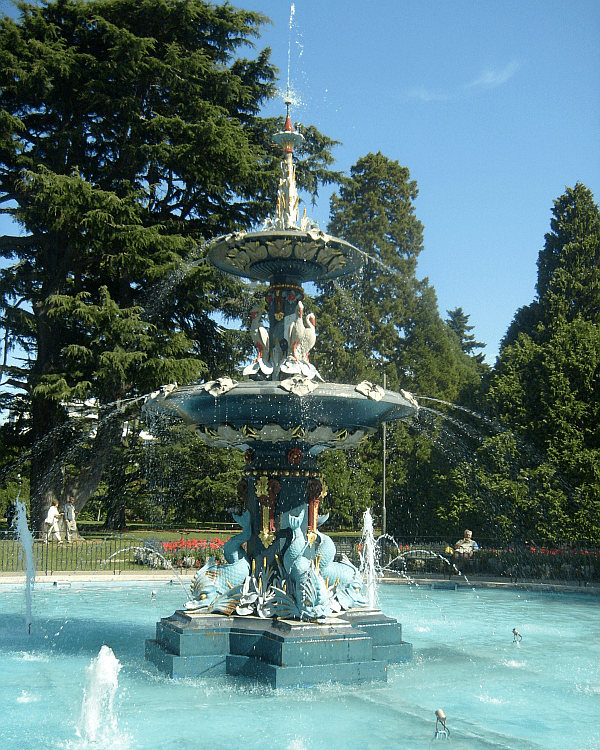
<point x="354" y="647"/>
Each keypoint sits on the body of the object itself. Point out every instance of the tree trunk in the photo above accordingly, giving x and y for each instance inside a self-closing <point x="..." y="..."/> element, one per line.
<point x="46" y="477"/>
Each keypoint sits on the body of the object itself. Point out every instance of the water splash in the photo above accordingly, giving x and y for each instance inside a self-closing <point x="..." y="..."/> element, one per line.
<point x="25" y="537"/>
<point x="368" y="560"/>
<point x="98" y="722"/>
<point x="292" y="14"/>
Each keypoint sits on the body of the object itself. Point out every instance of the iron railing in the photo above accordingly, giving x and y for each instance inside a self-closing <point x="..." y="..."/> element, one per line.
<point x="118" y="553"/>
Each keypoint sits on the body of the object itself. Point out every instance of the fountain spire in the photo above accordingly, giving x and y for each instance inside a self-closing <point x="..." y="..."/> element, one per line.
<point x="287" y="194"/>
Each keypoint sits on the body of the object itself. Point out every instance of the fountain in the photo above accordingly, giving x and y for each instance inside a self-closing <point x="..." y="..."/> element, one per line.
<point x="282" y="610"/>
<point x="98" y="723"/>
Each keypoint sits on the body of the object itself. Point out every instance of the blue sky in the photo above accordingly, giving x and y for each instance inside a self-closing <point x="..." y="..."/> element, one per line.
<point x="493" y="105"/>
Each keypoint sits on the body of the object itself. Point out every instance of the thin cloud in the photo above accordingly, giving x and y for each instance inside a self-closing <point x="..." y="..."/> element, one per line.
<point x="490" y="78"/>
<point x="427" y="96"/>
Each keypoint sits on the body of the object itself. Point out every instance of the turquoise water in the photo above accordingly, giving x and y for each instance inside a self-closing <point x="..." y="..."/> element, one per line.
<point x="541" y="693"/>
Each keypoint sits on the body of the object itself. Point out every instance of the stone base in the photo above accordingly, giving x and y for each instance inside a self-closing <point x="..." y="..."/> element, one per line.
<point x="354" y="647"/>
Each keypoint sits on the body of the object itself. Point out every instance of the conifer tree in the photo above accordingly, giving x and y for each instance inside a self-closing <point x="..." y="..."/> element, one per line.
<point x="457" y="321"/>
<point x="130" y="135"/>
<point x="546" y="384"/>
<point x="385" y="321"/>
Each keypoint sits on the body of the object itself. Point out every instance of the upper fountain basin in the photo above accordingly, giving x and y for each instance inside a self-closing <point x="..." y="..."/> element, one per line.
<point x="330" y="416"/>
<point x="304" y="256"/>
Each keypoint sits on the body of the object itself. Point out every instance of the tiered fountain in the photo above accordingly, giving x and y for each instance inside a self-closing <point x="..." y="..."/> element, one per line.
<point x="282" y="610"/>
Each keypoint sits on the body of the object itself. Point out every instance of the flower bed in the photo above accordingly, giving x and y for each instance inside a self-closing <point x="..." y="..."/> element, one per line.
<point x="193" y="553"/>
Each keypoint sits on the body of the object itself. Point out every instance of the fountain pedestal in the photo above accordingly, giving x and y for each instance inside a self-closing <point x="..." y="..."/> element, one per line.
<point x="353" y="647"/>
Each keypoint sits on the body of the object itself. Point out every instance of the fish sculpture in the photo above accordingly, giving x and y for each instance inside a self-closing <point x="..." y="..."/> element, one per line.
<point x="347" y="582"/>
<point x="310" y="591"/>
<point x="218" y="588"/>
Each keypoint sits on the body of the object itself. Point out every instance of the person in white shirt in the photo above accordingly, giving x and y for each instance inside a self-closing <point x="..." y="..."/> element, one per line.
<point x="51" y="522"/>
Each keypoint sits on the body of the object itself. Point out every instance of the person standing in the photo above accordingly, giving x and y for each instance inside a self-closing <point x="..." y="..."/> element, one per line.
<point x="51" y="522"/>
<point x="70" y="523"/>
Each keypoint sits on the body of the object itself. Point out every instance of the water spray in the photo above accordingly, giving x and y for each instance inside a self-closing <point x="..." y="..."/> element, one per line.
<point x="26" y="539"/>
<point x="368" y="562"/>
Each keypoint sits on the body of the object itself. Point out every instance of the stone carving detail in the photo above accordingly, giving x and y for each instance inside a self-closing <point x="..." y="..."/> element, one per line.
<point x="225" y="436"/>
<point x="285" y="351"/>
<point x="374" y="392"/>
<point x="299" y="385"/>
<point x="348" y="586"/>
<point x="310" y="593"/>
<point x="266" y="491"/>
<point x="220" y="386"/>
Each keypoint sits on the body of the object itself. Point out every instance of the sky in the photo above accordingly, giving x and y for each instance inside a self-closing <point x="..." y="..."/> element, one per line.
<point x="493" y="106"/>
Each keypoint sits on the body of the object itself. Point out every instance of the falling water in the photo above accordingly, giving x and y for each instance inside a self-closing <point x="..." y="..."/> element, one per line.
<point x="292" y="13"/>
<point x="368" y="560"/>
<point x="98" y="723"/>
<point x="26" y="540"/>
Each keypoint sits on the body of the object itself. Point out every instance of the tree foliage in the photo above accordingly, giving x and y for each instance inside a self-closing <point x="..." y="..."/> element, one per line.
<point x="385" y="321"/>
<point x="546" y="384"/>
<point x="457" y="321"/>
<point x="130" y="135"/>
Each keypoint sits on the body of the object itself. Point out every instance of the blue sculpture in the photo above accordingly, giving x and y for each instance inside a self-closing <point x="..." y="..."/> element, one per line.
<point x="309" y="587"/>
<point x="218" y="588"/>
<point x="348" y="584"/>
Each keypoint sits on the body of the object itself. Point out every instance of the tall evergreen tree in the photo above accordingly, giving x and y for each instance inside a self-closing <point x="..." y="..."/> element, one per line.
<point x="546" y="384"/>
<point x="129" y="136"/>
<point x="458" y="321"/>
<point x="363" y="317"/>
<point x="385" y="321"/>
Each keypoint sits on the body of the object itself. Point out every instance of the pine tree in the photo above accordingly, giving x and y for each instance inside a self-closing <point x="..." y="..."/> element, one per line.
<point x="385" y="321"/>
<point x="458" y="321"/>
<point x="546" y="384"/>
<point x="130" y="136"/>
<point x="361" y="318"/>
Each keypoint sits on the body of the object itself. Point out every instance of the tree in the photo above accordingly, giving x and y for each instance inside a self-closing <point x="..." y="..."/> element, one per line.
<point x="130" y="136"/>
<point x="546" y="383"/>
<point x="363" y="316"/>
<point x="384" y="320"/>
<point x="458" y="321"/>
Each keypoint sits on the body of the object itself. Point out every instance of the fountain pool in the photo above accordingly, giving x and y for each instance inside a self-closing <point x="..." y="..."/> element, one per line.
<point x="541" y="693"/>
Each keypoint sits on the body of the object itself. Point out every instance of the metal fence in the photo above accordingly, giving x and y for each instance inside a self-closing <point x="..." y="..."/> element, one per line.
<point x="516" y="562"/>
<point x="115" y="554"/>
<point x="119" y="553"/>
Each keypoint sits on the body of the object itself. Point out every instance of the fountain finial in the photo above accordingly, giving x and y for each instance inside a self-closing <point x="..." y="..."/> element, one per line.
<point x="287" y="195"/>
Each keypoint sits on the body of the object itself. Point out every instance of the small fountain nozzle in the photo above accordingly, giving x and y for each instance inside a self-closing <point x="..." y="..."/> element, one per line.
<point x="440" y="720"/>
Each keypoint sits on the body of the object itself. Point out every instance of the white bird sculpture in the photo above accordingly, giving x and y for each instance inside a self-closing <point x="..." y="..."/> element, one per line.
<point x="260" y="335"/>
<point x="310" y="337"/>
<point x="296" y="333"/>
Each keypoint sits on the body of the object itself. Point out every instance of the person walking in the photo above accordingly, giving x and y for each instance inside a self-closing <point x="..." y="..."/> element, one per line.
<point x="70" y="523"/>
<point x="51" y="522"/>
